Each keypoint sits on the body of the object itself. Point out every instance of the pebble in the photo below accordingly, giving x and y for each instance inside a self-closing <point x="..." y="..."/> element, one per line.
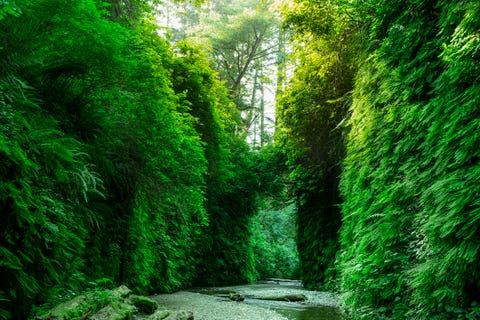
<point x="210" y="307"/>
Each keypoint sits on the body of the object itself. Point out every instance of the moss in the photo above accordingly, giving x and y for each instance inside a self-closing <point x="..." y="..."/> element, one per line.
<point x="115" y="311"/>
<point x="116" y="304"/>
<point x="144" y="304"/>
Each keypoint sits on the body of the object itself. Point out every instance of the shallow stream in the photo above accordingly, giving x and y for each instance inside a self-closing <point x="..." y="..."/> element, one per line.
<point x="304" y="312"/>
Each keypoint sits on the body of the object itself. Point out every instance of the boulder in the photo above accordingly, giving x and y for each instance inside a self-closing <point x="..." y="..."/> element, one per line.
<point x="116" y="304"/>
<point x="181" y="315"/>
<point x="101" y="304"/>
<point x="159" y="315"/>
<point x="143" y="304"/>
<point x="120" y="292"/>
<point x="115" y="311"/>
<point x="67" y="310"/>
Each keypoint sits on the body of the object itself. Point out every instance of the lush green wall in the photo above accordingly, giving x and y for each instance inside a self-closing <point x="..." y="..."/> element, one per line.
<point x="310" y="114"/>
<point x="109" y="142"/>
<point x="410" y="242"/>
<point x="226" y="252"/>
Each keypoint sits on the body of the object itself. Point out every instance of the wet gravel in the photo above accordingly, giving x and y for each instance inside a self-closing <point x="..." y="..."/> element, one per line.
<point x="207" y="307"/>
<point x="213" y="304"/>
<point x="314" y="298"/>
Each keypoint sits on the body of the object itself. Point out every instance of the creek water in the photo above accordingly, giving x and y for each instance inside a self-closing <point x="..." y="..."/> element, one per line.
<point x="298" y="311"/>
<point x="304" y="312"/>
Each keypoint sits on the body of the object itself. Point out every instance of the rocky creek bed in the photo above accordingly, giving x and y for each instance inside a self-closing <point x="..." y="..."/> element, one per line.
<point x="267" y="300"/>
<point x="271" y="300"/>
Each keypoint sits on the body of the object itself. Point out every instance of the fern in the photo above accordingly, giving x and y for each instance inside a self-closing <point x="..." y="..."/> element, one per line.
<point x="410" y="176"/>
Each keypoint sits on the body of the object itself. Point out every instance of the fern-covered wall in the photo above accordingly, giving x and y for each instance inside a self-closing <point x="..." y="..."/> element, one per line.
<point x="410" y="241"/>
<point x="121" y="163"/>
<point x="111" y="143"/>
<point x="310" y="114"/>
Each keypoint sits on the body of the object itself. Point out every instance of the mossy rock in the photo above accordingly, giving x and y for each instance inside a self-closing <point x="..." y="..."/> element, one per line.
<point x="143" y="304"/>
<point x="116" y="304"/>
<point x="87" y="304"/>
<point x="120" y="292"/>
<point x="236" y="297"/>
<point x="115" y="311"/>
<point x="181" y="315"/>
<point x="68" y="310"/>
<point x="159" y="315"/>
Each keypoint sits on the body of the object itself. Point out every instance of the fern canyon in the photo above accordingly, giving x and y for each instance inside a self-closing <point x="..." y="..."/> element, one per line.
<point x="257" y="159"/>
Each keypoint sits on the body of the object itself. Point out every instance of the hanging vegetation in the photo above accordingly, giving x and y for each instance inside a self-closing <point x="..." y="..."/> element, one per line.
<point x="309" y="131"/>
<point x="409" y="239"/>
<point x="108" y="166"/>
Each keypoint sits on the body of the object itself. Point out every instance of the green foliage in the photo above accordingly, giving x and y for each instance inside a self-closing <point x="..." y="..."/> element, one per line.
<point x="226" y="253"/>
<point x="202" y="94"/>
<point x="45" y="178"/>
<point x="8" y="8"/>
<point x="310" y="115"/>
<point x="410" y="217"/>
<point x="274" y="227"/>
<point x="108" y="163"/>
<point x="231" y="203"/>
<point x="274" y="246"/>
<point x="167" y="206"/>
<point x="272" y="175"/>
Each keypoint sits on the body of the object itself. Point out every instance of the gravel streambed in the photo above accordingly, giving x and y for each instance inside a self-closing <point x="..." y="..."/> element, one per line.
<point x="269" y="289"/>
<point x="207" y="307"/>
<point x="214" y="304"/>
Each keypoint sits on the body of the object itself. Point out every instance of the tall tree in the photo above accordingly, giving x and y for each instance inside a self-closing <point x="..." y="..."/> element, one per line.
<point x="242" y="48"/>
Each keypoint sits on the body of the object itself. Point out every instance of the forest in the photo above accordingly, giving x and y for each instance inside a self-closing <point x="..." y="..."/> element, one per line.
<point x="167" y="144"/>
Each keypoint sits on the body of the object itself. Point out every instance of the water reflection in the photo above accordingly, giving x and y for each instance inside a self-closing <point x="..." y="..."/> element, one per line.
<point x="295" y="311"/>
<point x="310" y="313"/>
